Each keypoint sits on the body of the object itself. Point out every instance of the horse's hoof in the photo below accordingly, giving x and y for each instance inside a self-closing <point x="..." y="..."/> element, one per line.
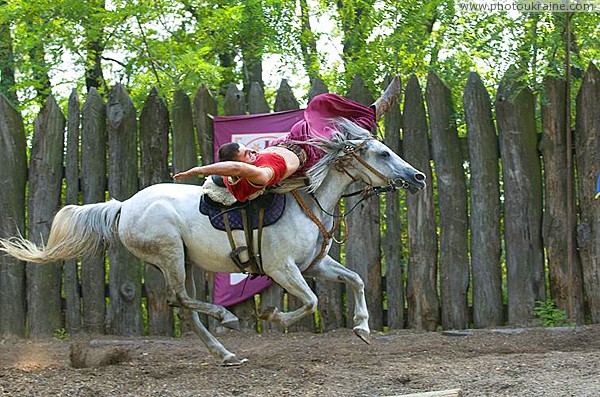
<point x="268" y="314"/>
<point x="233" y="324"/>
<point x="233" y="361"/>
<point x="362" y="334"/>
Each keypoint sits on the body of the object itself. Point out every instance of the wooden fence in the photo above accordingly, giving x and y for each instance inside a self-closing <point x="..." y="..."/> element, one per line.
<point x="459" y="256"/>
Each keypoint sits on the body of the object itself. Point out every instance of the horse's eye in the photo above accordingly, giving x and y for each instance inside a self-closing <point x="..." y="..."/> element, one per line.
<point x="385" y="154"/>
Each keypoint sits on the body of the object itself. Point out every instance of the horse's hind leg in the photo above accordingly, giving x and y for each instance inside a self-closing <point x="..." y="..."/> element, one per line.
<point x="329" y="269"/>
<point x="290" y="278"/>
<point x="211" y="343"/>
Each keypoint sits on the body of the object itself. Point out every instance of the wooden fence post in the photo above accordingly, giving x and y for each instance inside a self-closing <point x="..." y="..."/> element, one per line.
<point x="124" y="315"/>
<point x="154" y="153"/>
<point x="256" y="99"/>
<point x="205" y="106"/>
<point x="330" y="295"/>
<point x="521" y="172"/>
<point x="587" y="139"/>
<point x="363" y="253"/>
<point x="488" y="309"/>
<point x="44" y="309"/>
<point x="565" y="282"/>
<point x="392" y="240"/>
<point x="452" y="201"/>
<point x="235" y="104"/>
<point x="185" y="155"/>
<point x="421" y="285"/>
<point x="285" y="100"/>
<point x="72" y="166"/>
<point x="13" y="177"/>
<point x="94" y="141"/>
<point x="272" y="296"/>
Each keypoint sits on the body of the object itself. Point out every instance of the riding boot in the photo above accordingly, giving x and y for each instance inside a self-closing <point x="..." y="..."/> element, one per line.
<point x="388" y="98"/>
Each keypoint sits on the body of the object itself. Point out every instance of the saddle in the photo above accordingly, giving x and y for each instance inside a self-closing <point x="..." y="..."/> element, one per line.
<point x="228" y="215"/>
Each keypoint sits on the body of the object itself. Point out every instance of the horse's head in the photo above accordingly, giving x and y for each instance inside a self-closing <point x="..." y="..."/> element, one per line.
<point x="353" y="151"/>
<point x="372" y="162"/>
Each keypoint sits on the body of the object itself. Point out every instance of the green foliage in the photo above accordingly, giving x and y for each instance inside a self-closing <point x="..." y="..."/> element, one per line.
<point x="549" y="315"/>
<point x="61" y="334"/>
<point x="182" y="44"/>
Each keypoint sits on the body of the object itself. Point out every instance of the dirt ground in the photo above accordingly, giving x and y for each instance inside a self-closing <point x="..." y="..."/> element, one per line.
<point x="531" y="362"/>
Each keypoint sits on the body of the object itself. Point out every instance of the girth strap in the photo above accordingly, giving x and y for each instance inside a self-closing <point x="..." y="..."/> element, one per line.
<point x="327" y="235"/>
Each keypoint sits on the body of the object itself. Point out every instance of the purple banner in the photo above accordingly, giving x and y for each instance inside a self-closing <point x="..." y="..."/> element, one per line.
<point x="254" y="131"/>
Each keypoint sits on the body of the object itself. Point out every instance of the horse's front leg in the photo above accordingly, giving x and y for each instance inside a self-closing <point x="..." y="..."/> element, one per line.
<point x="330" y="269"/>
<point x="288" y="276"/>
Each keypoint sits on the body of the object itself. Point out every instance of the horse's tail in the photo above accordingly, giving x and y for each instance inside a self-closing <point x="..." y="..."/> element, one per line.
<point x="76" y="231"/>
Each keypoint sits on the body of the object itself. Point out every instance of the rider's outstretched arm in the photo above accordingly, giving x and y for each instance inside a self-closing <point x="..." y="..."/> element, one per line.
<point x="257" y="175"/>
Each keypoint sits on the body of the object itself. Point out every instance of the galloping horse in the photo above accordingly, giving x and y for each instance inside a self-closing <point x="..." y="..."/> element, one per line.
<point x="161" y="225"/>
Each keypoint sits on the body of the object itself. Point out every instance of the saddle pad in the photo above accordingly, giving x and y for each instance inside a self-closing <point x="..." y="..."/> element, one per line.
<point x="274" y="204"/>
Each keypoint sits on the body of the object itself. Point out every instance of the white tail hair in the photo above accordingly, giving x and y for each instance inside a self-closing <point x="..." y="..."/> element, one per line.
<point x="76" y="231"/>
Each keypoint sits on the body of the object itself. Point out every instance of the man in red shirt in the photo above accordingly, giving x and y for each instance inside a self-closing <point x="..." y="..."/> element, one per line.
<point x="248" y="172"/>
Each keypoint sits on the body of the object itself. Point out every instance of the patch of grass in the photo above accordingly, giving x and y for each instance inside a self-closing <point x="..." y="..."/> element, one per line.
<point x="550" y="315"/>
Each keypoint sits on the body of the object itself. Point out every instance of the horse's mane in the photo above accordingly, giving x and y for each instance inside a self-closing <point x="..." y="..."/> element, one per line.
<point x="345" y="130"/>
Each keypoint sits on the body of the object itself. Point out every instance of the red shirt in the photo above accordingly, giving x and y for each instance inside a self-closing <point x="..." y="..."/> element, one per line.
<point x="242" y="189"/>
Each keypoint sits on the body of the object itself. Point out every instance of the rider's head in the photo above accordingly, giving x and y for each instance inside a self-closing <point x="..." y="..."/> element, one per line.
<point x="234" y="151"/>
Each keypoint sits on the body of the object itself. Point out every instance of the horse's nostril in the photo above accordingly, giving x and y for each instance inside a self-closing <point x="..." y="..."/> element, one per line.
<point x="420" y="177"/>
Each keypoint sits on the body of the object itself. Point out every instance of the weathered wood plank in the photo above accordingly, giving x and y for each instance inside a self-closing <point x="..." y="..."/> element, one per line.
<point x="587" y="139"/>
<point x="515" y="112"/>
<point x="44" y="310"/>
<point x="13" y="177"/>
<point x="205" y="106"/>
<point x="94" y="142"/>
<point x="185" y="155"/>
<point x="363" y="253"/>
<point x="485" y="205"/>
<point x="124" y="314"/>
<point x="421" y="288"/>
<point x="565" y="279"/>
<point x="154" y="153"/>
<point x="331" y="295"/>
<point x="452" y="202"/>
<point x="235" y="104"/>
<point x="392" y="240"/>
<point x="72" y="166"/>
<point x="256" y="99"/>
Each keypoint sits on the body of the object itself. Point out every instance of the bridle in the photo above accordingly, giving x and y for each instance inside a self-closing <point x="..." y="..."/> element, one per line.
<point x="341" y="163"/>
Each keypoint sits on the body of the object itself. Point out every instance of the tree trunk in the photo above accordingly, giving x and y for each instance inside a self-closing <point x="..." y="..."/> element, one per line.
<point x="515" y="113"/>
<point x="587" y="139"/>
<point x="45" y="182"/>
<point x="7" y="63"/>
<point x="94" y="141"/>
<point x="363" y="253"/>
<point x="308" y="44"/>
<point x="452" y="201"/>
<point x="488" y="309"/>
<point x="71" y="278"/>
<point x="124" y="317"/>
<point x="565" y="278"/>
<point x="154" y="153"/>
<point x="392" y="241"/>
<point x="13" y="177"/>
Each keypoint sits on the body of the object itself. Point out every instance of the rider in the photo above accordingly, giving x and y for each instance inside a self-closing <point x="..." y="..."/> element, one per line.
<point x="249" y="172"/>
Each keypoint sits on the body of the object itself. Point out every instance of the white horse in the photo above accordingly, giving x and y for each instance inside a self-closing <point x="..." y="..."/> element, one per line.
<point x="161" y="225"/>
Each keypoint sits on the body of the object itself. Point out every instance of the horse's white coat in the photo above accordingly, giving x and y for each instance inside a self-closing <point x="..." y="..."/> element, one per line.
<point x="162" y="226"/>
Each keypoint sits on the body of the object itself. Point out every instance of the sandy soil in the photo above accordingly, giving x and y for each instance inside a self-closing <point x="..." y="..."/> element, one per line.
<point x="532" y="362"/>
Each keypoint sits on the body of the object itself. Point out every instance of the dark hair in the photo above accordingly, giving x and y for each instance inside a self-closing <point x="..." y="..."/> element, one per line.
<point x="229" y="151"/>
